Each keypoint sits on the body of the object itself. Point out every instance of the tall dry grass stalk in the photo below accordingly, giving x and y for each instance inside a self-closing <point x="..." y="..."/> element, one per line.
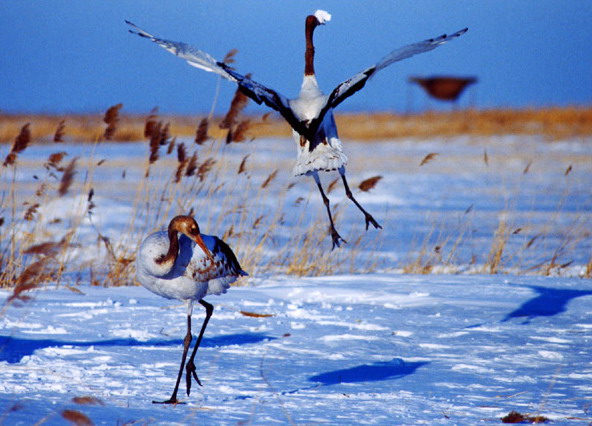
<point x="500" y="240"/>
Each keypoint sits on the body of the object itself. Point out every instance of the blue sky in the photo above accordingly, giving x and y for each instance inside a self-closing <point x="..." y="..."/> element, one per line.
<point x="61" y="56"/>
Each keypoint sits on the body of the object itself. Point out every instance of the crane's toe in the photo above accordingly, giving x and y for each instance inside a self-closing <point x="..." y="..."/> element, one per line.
<point x="337" y="240"/>
<point x="191" y="371"/>
<point x="370" y="220"/>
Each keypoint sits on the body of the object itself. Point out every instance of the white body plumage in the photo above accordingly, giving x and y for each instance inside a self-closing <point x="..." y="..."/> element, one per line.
<point x="191" y="274"/>
<point x="326" y="153"/>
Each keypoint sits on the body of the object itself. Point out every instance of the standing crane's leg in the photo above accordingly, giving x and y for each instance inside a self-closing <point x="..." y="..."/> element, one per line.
<point x="367" y="216"/>
<point x="190" y="364"/>
<point x="186" y="343"/>
<point x="334" y="235"/>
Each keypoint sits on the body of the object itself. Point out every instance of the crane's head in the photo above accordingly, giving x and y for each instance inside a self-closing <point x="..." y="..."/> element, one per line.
<point x="189" y="227"/>
<point x="320" y="17"/>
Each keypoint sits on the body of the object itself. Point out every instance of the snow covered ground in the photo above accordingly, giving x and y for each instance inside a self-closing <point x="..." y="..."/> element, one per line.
<point x="371" y="349"/>
<point x="365" y="344"/>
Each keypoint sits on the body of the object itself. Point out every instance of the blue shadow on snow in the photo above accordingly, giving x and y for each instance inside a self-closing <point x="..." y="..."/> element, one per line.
<point x="13" y="349"/>
<point x="547" y="303"/>
<point x="394" y="369"/>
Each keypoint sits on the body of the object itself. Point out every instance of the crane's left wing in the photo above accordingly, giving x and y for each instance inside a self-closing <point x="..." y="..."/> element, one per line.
<point x="355" y="83"/>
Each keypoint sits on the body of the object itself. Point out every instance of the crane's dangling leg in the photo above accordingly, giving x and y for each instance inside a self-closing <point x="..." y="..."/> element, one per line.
<point x="367" y="216"/>
<point x="334" y="235"/>
<point x="186" y="343"/>
<point x="191" y="364"/>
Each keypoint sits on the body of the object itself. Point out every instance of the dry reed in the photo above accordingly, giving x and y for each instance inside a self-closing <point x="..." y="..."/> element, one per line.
<point x="252" y="228"/>
<point x="60" y="132"/>
<point x="111" y="118"/>
<point x="20" y="144"/>
<point x="237" y="105"/>
<point x="201" y="134"/>
<point x="76" y="417"/>
<point x="67" y="177"/>
<point x="367" y="184"/>
<point x="428" y="158"/>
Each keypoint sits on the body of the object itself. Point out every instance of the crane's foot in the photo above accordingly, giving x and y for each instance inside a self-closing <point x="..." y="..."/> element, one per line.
<point x="191" y="372"/>
<point x="370" y="220"/>
<point x="172" y="400"/>
<point x="337" y="240"/>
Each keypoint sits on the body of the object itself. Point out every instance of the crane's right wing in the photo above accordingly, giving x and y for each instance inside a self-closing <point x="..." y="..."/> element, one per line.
<point x="256" y="91"/>
<point x="193" y="56"/>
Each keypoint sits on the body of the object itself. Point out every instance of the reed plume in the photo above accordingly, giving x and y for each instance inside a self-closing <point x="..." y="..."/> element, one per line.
<point x="76" y="418"/>
<point x="30" y="213"/>
<point x="191" y="165"/>
<point x="368" y="184"/>
<point x="165" y="134"/>
<point x="239" y="134"/>
<point x="155" y="138"/>
<point x="171" y="145"/>
<point x="229" y="58"/>
<point x="230" y="121"/>
<point x="151" y="122"/>
<point x="87" y="400"/>
<point x="58" y="136"/>
<point x="29" y="279"/>
<point x="201" y="135"/>
<point x="428" y="158"/>
<point x="182" y="158"/>
<point x="332" y="185"/>
<point x="204" y="168"/>
<point x="237" y="105"/>
<point x="54" y="160"/>
<point x="243" y="164"/>
<point x="111" y="119"/>
<point x="38" y="271"/>
<point x="67" y="177"/>
<point x="269" y="179"/>
<point x="90" y="203"/>
<point x="20" y="144"/>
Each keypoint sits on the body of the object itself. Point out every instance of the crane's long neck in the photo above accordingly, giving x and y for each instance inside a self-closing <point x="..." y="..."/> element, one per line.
<point x="311" y="24"/>
<point x="171" y="256"/>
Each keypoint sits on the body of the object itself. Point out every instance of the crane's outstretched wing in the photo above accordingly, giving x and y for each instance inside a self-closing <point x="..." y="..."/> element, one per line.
<point x="193" y="56"/>
<point x="257" y="92"/>
<point x="355" y="83"/>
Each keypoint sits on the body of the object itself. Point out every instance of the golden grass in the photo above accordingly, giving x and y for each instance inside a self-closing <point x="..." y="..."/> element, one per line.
<point x="196" y="180"/>
<point x="553" y="123"/>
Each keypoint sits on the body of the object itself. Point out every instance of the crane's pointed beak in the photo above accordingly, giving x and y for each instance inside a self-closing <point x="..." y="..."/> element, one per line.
<point x="200" y="242"/>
